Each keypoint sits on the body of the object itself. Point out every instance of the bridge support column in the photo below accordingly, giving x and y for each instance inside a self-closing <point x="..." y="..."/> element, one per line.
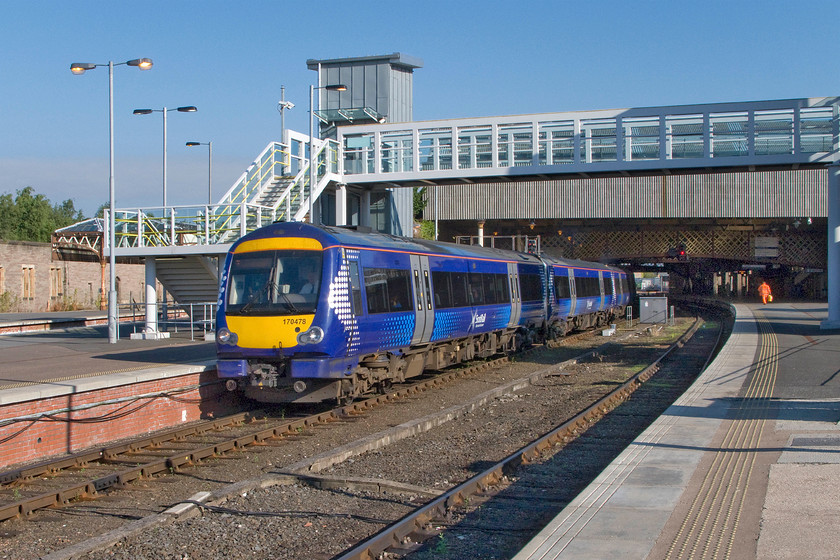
<point x="341" y="205"/>
<point x="150" y="331"/>
<point x="833" y="321"/>
<point x="364" y="209"/>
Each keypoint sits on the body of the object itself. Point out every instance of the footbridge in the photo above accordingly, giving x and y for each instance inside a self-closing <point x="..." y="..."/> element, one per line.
<point x="779" y="159"/>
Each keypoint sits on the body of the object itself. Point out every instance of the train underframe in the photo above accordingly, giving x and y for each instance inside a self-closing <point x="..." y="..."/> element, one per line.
<point x="270" y="382"/>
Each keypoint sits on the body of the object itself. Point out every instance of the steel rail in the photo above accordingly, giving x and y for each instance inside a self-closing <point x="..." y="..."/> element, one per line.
<point x="110" y="454"/>
<point x="415" y="524"/>
<point x="90" y="488"/>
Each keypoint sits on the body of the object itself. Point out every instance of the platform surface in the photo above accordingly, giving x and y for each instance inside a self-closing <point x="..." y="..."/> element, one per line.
<point x="745" y="464"/>
<point x="62" y="359"/>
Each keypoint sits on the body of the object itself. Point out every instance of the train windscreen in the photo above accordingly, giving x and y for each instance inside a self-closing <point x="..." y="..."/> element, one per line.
<point x="284" y="282"/>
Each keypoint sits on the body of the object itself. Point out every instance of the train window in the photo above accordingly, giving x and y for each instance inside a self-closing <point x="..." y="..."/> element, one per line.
<point x="418" y="291"/>
<point x="387" y="290"/>
<point x="495" y="288"/>
<point x="562" y="289"/>
<point x="609" y="286"/>
<point x="451" y="289"/>
<point x="428" y="290"/>
<point x="477" y="289"/>
<point x="530" y="286"/>
<point x="491" y="295"/>
<point x="587" y="286"/>
<point x="274" y="282"/>
<point x="443" y="291"/>
<point x="355" y="288"/>
<point x="458" y="281"/>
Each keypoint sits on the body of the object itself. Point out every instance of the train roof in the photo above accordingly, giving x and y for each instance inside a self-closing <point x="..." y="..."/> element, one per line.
<point x="351" y="237"/>
<point x="579" y="264"/>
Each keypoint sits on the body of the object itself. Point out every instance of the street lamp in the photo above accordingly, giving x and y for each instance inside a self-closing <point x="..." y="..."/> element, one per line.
<point x="209" y="168"/>
<point x="312" y="163"/>
<point x="79" y="68"/>
<point x="188" y="109"/>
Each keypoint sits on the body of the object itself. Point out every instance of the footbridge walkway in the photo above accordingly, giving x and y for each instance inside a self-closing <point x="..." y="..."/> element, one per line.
<point x="278" y="185"/>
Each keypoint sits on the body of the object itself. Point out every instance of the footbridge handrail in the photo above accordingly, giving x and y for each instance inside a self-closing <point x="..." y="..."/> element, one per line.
<point x="758" y="133"/>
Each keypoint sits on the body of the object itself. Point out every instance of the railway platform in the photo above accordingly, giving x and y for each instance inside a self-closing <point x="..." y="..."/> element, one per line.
<point x="45" y="348"/>
<point x="64" y="388"/>
<point x="744" y="465"/>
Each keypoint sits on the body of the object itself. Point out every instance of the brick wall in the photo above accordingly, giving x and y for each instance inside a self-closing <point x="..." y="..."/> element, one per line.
<point x="79" y="282"/>
<point x="24" y="440"/>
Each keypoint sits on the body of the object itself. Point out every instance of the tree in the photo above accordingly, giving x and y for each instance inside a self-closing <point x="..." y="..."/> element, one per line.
<point x="419" y="201"/>
<point x="31" y="217"/>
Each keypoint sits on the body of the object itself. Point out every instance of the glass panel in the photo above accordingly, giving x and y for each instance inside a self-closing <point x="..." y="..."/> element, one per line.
<point x="474" y="147"/>
<point x="599" y="140"/>
<point x="773" y="133"/>
<point x="815" y="130"/>
<point x="397" y="149"/>
<point x="387" y="290"/>
<point x="557" y="142"/>
<point x="358" y="154"/>
<point x="729" y="134"/>
<point x="515" y="143"/>
<point x="641" y="137"/>
<point x="435" y="148"/>
<point x="274" y="283"/>
<point x="685" y="133"/>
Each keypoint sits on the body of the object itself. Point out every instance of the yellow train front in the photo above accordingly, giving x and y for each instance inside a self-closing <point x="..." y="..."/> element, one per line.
<point x="282" y="300"/>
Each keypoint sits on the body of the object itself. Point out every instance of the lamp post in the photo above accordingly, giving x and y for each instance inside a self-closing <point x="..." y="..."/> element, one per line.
<point x="312" y="162"/>
<point x="80" y="68"/>
<point x="209" y="168"/>
<point x="187" y="109"/>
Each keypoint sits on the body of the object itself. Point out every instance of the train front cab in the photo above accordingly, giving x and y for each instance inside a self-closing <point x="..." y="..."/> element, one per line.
<point x="279" y="338"/>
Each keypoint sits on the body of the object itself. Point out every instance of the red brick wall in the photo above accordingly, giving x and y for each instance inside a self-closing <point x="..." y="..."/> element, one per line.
<point x="81" y="280"/>
<point x="28" y="441"/>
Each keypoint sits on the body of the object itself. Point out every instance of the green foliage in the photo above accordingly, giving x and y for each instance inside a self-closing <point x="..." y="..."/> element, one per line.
<point x="31" y="217"/>
<point x="427" y="230"/>
<point x="419" y="201"/>
<point x="8" y="302"/>
<point x="100" y="212"/>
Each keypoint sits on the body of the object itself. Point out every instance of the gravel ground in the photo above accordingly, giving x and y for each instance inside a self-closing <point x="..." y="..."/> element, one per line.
<point x="434" y="461"/>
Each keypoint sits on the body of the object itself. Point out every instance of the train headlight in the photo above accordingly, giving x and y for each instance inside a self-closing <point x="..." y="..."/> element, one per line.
<point x="312" y="336"/>
<point x="224" y="336"/>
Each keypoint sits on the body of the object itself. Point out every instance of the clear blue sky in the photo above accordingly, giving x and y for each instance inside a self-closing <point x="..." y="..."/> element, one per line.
<point x="480" y="58"/>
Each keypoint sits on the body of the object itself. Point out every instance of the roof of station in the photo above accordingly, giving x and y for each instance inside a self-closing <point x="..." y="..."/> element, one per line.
<point x="398" y="59"/>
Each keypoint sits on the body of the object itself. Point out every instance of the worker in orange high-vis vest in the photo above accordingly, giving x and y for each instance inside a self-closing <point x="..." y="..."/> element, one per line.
<point x="764" y="292"/>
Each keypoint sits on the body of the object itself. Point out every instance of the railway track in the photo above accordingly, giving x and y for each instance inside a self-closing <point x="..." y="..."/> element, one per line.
<point x="294" y="437"/>
<point x="84" y="476"/>
<point x="429" y="521"/>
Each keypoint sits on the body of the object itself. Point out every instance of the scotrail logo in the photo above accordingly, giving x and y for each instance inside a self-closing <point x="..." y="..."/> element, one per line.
<point x="478" y="320"/>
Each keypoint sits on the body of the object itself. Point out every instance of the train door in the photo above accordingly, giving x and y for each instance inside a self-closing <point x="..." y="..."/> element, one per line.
<point x="573" y="292"/>
<point x="515" y="299"/>
<point x="548" y="293"/>
<point x="423" y="311"/>
<point x="603" y="299"/>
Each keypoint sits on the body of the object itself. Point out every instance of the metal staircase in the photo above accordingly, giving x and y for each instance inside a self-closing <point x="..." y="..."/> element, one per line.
<point x="193" y="282"/>
<point x="187" y="241"/>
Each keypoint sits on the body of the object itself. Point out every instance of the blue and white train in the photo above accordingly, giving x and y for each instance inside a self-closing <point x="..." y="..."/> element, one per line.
<point x="312" y="313"/>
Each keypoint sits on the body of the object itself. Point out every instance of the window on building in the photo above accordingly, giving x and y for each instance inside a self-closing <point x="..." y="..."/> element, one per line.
<point x="27" y="282"/>
<point x="56" y="282"/>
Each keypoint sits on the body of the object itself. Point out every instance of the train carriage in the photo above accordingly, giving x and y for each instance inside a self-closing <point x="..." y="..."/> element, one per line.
<point x="310" y="313"/>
